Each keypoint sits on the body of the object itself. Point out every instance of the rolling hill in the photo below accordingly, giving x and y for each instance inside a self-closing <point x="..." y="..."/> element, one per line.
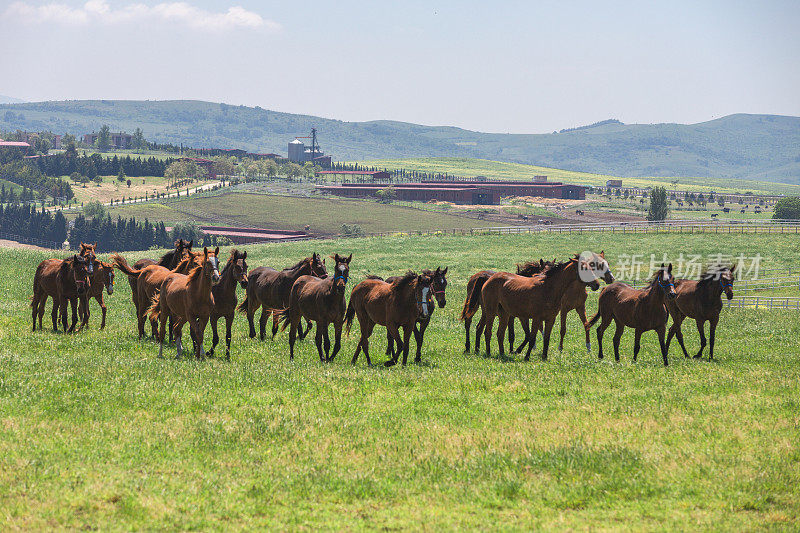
<point x="762" y="147"/>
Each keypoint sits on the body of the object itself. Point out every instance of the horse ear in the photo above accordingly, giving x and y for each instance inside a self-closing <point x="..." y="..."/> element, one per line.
<point x="216" y="251"/>
<point x="733" y="267"/>
<point x="189" y="246"/>
<point x="669" y="269"/>
<point x="444" y="272"/>
<point x="244" y="255"/>
<point x="95" y="244"/>
<point x="662" y="266"/>
<point x="205" y="251"/>
<point x="603" y="254"/>
<point x="349" y="258"/>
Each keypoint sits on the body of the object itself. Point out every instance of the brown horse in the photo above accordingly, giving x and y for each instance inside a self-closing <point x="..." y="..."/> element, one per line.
<point x="700" y="300"/>
<point x="88" y="252"/>
<point x="575" y="298"/>
<point x="438" y="287"/>
<point x="148" y="280"/>
<point x="537" y="298"/>
<point x="224" y="292"/>
<point x="473" y="302"/>
<point x="394" y="305"/>
<point x="102" y="279"/>
<point x="63" y="280"/>
<point x="169" y="261"/>
<point x="319" y="300"/>
<point x="641" y="309"/>
<point x="270" y="288"/>
<point x="186" y="298"/>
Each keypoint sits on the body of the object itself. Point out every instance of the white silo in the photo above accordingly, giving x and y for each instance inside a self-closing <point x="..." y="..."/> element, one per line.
<point x="296" y="151"/>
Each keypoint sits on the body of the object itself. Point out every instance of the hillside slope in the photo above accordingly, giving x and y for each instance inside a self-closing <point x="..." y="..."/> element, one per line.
<point x="764" y="147"/>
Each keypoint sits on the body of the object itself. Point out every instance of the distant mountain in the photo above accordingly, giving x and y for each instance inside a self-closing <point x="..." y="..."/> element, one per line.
<point x="765" y="147"/>
<point x="9" y="100"/>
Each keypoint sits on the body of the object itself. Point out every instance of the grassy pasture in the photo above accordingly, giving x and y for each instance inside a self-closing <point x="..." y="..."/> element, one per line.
<point x="518" y="171"/>
<point x="324" y="215"/>
<point x="99" y="433"/>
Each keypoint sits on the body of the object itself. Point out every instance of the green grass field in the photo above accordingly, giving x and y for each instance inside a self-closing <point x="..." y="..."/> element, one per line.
<point x="324" y="215"/>
<point x="497" y="169"/>
<point x="99" y="433"/>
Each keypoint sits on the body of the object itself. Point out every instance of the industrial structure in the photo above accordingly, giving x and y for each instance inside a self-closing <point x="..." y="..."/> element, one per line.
<point x="460" y="192"/>
<point x="299" y="153"/>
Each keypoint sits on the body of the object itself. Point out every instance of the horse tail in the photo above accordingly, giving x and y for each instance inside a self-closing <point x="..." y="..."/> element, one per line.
<point x="122" y="264"/>
<point x="242" y="307"/>
<point x="473" y="299"/>
<point x="283" y="318"/>
<point x="155" y="307"/>
<point x="348" y="316"/>
<point x="594" y="319"/>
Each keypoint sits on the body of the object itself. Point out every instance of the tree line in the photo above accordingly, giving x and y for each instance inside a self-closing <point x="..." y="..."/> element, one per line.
<point x="94" y="165"/>
<point x="26" y="221"/>
<point x="29" y="176"/>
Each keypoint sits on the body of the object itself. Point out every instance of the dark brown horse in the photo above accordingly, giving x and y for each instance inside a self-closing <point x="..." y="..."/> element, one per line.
<point x="102" y="279"/>
<point x="148" y="281"/>
<point x="169" y="261"/>
<point x="395" y="305"/>
<point x="575" y="298"/>
<point x="186" y="298"/>
<point x="537" y="298"/>
<point x="63" y="280"/>
<point x="438" y="287"/>
<point x="473" y="302"/>
<point x="319" y="300"/>
<point x="87" y="251"/>
<point x="269" y="289"/>
<point x="640" y="309"/>
<point x="224" y="292"/>
<point x="700" y="300"/>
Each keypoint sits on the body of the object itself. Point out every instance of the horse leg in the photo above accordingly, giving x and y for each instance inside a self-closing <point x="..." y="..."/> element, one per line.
<point x="637" y="343"/>
<point x="712" y="331"/>
<point x="54" y="313"/>
<point x="318" y="340"/>
<point x="533" y="330"/>
<point x="200" y="325"/>
<point x="103" y="310"/>
<point x="305" y="333"/>
<point x="395" y="333"/>
<point x="292" y="336"/>
<point x="366" y="327"/>
<point x="251" y="312"/>
<point x="35" y="311"/>
<point x="407" y="331"/>
<point x="600" y="330"/>
<point x="510" y="326"/>
<point x="581" y="310"/>
<point x="337" y="339"/>
<point x="262" y="323"/>
<point x="162" y="320"/>
<point x="178" y="333"/>
<point x="503" y="320"/>
<point x="660" y="332"/>
<point x="275" y="326"/>
<point x="487" y="333"/>
<point x="619" y="328"/>
<point x="419" y="334"/>
<point x="548" y="328"/>
<point x="389" y="345"/>
<point x="479" y="329"/>
<point x="467" y="324"/>
<point x="326" y="339"/>
<point x="526" y="329"/>
<point x="700" y="326"/>
<point x="675" y="330"/>
<point x="563" y="332"/>
<point x="73" y="305"/>
<point x="214" y="335"/>
<point x="228" y="325"/>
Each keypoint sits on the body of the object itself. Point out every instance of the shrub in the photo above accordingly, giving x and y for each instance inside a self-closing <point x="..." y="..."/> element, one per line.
<point x="787" y="208"/>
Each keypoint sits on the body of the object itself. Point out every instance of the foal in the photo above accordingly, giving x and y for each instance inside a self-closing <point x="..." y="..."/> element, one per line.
<point x="439" y="285"/>
<point x="103" y="278"/>
<point x="62" y="280"/>
<point x="187" y="299"/>
<point x="641" y="309"/>
<point x="319" y="300"/>
<point x="169" y="261"/>
<point x="224" y="292"/>
<point x="270" y="288"/>
<point x="394" y="305"/>
<point x="700" y="300"/>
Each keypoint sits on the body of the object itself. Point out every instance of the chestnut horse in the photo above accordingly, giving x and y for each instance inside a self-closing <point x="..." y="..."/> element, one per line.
<point x="62" y="280"/>
<point x="103" y="278"/>
<point x="641" y="309"/>
<point x="148" y="280"/>
<point x="319" y="300"/>
<point x="224" y="292"/>
<point x="473" y="302"/>
<point x="438" y="286"/>
<point x="575" y="298"/>
<point x="270" y="288"/>
<point x="700" y="300"/>
<point x="394" y="305"/>
<point x="537" y="298"/>
<point x="169" y="261"/>
<point x="186" y="298"/>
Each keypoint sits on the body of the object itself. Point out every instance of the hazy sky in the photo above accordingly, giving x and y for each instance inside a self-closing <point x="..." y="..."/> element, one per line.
<point x="521" y="67"/>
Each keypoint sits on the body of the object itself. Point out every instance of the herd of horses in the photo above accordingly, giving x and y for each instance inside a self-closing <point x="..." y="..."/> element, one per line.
<point x="186" y="286"/>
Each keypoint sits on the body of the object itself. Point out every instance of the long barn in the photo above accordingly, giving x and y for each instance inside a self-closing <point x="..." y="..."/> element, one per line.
<point x="476" y="193"/>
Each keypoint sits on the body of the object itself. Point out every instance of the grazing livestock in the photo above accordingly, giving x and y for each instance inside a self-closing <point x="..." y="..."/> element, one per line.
<point x="224" y="293"/>
<point x="438" y="286"/>
<point x="186" y="298"/>
<point x="395" y="305"/>
<point x="700" y="300"/>
<point x="62" y="280"/>
<point x="319" y="300"/>
<point x="169" y="261"/>
<point x="640" y="309"/>
<point x="537" y="298"/>
<point x="270" y="288"/>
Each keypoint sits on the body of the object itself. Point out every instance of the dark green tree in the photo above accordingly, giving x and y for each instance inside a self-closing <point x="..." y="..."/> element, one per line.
<point x="658" y="204"/>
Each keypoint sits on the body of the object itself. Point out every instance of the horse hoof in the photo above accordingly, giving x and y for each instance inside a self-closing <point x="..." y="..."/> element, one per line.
<point x="389" y="363"/>
<point x="698" y="356"/>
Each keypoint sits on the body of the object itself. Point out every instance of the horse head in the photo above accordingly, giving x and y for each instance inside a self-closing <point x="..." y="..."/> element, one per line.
<point x="87" y="252"/>
<point x="726" y="277"/>
<point x="438" y="285"/>
<point x="665" y="281"/>
<point x="318" y="266"/>
<point x="107" y="270"/>
<point x="80" y="273"/>
<point x="238" y="261"/>
<point x="341" y="271"/>
<point x="211" y="264"/>
<point x="424" y="295"/>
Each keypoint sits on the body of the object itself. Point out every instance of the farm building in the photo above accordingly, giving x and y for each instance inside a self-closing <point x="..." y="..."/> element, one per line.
<point x="484" y="193"/>
<point x="118" y="140"/>
<point x="379" y="175"/>
<point x="614" y="183"/>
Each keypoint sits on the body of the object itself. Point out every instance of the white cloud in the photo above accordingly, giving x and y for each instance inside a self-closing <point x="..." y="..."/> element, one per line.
<point x="100" y="11"/>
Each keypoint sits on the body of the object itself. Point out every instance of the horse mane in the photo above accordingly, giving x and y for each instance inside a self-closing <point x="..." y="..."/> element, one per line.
<point x="167" y="258"/>
<point x="373" y="276"/>
<point x="407" y="278"/>
<point x="712" y="274"/>
<point x="532" y="267"/>
<point x="556" y="268"/>
<point x="228" y="266"/>
<point x="194" y="273"/>
<point x="297" y="265"/>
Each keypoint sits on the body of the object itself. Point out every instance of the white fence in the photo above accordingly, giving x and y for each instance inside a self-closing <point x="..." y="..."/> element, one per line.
<point x="764" y="302"/>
